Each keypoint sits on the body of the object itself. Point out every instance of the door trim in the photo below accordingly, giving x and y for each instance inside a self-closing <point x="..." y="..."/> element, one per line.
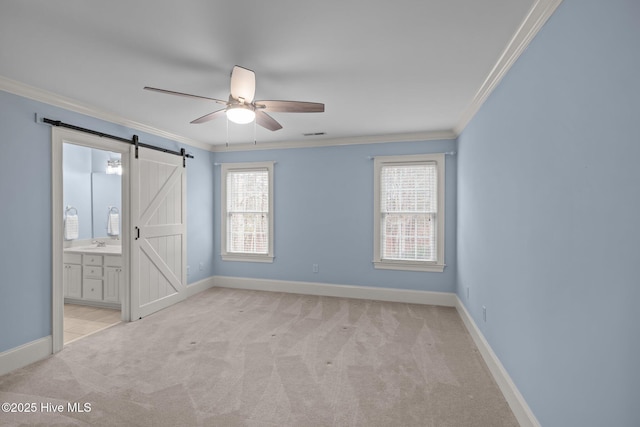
<point x="58" y="137"/>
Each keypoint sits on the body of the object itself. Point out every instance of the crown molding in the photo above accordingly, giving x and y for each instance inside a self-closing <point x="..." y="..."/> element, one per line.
<point x="538" y="15"/>
<point x="41" y="95"/>
<point x="354" y="140"/>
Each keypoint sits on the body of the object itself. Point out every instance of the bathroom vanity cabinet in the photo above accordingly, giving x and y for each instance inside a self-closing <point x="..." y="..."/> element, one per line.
<point x="92" y="278"/>
<point x="72" y="276"/>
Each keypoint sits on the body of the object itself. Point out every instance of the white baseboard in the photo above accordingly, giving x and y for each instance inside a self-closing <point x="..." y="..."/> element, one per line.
<point x="25" y="354"/>
<point x="518" y="405"/>
<point x="345" y="291"/>
<point x="199" y="286"/>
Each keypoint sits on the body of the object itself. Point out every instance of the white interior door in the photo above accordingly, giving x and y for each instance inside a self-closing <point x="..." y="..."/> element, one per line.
<point x="158" y="222"/>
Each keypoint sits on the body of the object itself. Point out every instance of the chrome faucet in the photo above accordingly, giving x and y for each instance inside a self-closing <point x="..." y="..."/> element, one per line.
<point x="100" y="243"/>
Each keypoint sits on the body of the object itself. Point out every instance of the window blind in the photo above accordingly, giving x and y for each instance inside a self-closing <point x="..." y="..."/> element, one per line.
<point x="409" y="207"/>
<point x="248" y="211"/>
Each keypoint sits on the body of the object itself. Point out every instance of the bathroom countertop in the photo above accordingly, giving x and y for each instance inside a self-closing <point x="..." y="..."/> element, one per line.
<point x="93" y="249"/>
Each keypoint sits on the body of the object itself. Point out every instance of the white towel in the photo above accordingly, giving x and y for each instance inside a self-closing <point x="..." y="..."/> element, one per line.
<point x="113" y="224"/>
<point x="71" y="227"/>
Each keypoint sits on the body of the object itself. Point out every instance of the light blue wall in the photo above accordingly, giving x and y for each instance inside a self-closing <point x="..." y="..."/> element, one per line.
<point x="200" y="190"/>
<point x="25" y="246"/>
<point x="549" y="217"/>
<point x="324" y="215"/>
<point x="25" y="212"/>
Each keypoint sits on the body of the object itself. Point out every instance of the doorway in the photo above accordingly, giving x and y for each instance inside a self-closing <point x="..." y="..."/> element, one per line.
<point x="90" y="253"/>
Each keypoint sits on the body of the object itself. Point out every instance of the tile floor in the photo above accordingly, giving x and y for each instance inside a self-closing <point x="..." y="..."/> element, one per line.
<point x="83" y="320"/>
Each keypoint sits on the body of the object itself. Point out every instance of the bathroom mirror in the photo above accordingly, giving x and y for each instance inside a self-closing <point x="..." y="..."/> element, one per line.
<point x="105" y="197"/>
<point x="93" y="192"/>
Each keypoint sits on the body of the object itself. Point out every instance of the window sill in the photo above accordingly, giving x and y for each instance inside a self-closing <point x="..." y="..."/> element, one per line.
<point x="247" y="258"/>
<point x="409" y="266"/>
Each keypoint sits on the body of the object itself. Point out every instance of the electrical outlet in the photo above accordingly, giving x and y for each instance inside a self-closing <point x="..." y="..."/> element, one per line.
<point x="188" y="270"/>
<point x="484" y="313"/>
<point x="467" y="292"/>
<point x="201" y="266"/>
<point x="316" y="268"/>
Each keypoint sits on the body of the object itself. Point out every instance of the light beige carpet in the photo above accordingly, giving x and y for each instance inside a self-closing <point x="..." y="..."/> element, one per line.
<point x="246" y="358"/>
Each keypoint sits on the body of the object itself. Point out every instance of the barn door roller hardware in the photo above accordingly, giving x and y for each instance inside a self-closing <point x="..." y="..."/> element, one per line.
<point x="134" y="140"/>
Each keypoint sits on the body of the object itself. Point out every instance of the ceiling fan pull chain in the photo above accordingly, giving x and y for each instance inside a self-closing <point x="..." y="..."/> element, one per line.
<point x="227" y="133"/>
<point x="255" y="142"/>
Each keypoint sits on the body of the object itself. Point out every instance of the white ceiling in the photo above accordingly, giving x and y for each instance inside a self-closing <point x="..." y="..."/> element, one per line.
<point x="380" y="67"/>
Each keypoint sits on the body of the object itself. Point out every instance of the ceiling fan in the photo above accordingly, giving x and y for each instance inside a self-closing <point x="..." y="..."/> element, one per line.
<point x="241" y="108"/>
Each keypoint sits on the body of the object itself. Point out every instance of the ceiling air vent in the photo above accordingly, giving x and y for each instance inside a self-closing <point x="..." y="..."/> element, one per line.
<point x="314" y="134"/>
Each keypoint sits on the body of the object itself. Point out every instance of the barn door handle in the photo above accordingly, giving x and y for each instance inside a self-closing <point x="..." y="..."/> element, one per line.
<point x="137" y="233"/>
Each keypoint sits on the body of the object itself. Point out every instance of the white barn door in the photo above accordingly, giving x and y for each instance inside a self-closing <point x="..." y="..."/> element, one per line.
<point x="158" y="236"/>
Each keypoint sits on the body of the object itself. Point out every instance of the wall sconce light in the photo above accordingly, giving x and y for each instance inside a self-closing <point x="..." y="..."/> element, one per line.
<point x="114" y="167"/>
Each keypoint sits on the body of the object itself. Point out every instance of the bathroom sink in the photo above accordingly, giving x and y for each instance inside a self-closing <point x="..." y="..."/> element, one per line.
<point x="109" y="249"/>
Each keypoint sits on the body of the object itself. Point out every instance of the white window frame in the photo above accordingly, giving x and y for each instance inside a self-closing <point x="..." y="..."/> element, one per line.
<point x="238" y="256"/>
<point x="430" y="266"/>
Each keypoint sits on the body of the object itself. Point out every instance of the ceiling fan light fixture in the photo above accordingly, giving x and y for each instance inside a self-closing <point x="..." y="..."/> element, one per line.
<point x="241" y="114"/>
<point x="241" y="107"/>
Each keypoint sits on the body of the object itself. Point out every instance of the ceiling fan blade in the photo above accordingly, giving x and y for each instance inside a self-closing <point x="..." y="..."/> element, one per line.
<point x="266" y="121"/>
<point x="186" y="95"/>
<point x="210" y="116"/>
<point x="243" y="84"/>
<point x="291" y="106"/>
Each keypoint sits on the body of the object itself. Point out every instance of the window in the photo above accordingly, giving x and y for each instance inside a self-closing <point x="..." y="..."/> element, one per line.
<point x="247" y="212"/>
<point x="409" y="212"/>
